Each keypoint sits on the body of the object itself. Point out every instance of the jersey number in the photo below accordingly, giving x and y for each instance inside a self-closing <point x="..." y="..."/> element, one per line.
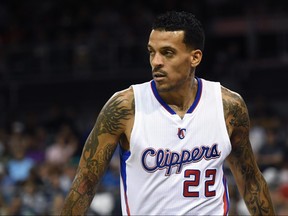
<point x="209" y="174"/>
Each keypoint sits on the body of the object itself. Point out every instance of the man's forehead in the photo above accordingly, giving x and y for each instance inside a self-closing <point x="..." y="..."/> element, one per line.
<point x="164" y="33"/>
<point x="158" y="36"/>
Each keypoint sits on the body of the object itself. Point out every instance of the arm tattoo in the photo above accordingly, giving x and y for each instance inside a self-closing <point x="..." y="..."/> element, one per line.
<point x="95" y="157"/>
<point x="109" y="121"/>
<point x="84" y="185"/>
<point x="255" y="189"/>
<point x="111" y="116"/>
<point x="235" y="113"/>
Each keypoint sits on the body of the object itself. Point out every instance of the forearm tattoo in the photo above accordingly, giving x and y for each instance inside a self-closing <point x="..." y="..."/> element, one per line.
<point x="255" y="190"/>
<point x="95" y="157"/>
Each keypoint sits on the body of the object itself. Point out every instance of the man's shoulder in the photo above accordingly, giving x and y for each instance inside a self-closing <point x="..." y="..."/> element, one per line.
<point x="125" y="95"/>
<point x="235" y="110"/>
<point x="230" y="96"/>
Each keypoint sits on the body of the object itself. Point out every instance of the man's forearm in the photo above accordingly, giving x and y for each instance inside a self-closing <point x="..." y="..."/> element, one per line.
<point x="80" y="196"/>
<point x="257" y="197"/>
<point x="75" y="204"/>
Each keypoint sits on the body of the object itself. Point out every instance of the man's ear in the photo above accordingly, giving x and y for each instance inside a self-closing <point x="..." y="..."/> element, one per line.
<point x="196" y="57"/>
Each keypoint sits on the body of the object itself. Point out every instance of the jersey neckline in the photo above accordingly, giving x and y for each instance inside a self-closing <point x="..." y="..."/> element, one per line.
<point x="168" y="108"/>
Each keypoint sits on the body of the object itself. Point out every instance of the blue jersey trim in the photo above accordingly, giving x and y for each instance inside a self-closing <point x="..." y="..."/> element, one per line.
<point x="197" y="97"/>
<point x="227" y="200"/>
<point x="161" y="101"/>
<point x="168" y="108"/>
<point x="124" y="155"/>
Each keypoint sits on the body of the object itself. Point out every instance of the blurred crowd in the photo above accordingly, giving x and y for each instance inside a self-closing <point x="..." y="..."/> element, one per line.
<point x="40" y="148"/>
<point x="39" y="158"/>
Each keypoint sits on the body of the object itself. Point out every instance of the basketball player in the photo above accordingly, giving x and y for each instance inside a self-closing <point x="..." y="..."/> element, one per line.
<point x="175" y="132"/>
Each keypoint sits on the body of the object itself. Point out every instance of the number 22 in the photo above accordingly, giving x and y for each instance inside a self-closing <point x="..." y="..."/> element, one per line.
<point x="209" y="173"/>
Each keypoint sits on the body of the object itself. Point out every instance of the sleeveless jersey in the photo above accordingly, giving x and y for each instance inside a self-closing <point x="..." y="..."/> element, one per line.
<point x="175" y="166"/>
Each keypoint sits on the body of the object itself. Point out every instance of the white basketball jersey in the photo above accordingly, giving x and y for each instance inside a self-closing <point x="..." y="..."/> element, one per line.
<point x="175" y="166"/>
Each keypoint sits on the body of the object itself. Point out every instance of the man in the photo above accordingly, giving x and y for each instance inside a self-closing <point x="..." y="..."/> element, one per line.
<point x="174" y="132"/>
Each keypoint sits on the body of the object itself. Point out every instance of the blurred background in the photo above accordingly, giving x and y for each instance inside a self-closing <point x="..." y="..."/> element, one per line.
<point x="61" y="60"/>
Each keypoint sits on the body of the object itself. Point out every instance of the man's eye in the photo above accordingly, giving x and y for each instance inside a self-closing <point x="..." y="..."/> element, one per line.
<point x="168" y="53"/>
<point x="150" y="52"/>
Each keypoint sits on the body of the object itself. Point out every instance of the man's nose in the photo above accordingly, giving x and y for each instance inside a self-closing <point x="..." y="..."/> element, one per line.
<point x="157" y="60"/>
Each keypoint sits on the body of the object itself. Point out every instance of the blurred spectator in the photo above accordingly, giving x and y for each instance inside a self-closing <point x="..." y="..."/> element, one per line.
<point x="3" y="206"/>
<point x="63" y="148"/>
<point x="281" y="201"/>
<point x="52" y="185"/>
<point x="271" y="153"/>
<point x="39" y="140"/>
<point x="15" y="206"/>
<point x="19" y="165"/>
<point x="257" y="136"/>
<point x="7" y="187"/>
<point x="33" y="199"/>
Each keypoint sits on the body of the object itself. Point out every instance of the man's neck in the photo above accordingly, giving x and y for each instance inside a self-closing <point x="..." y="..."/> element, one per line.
<point x="180" y="101"/>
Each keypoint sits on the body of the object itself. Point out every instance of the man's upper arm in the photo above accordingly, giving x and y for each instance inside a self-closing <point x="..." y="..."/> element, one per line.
<point x="98" y="150"/>
<point x="241" y="159"/>
<point x="251" y="184"/>
<point x="110" y="125"/>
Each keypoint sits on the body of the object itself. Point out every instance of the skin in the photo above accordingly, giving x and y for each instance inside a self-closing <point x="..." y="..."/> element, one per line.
<point x="173" y="69"/>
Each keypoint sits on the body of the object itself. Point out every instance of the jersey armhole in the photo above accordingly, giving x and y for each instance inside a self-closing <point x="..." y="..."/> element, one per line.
<point x="222" y="120"/>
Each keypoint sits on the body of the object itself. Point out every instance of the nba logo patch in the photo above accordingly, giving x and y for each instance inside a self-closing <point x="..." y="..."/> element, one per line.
<point x="181" y="133"/>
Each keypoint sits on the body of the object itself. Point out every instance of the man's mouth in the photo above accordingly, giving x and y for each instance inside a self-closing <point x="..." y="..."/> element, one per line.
<point x="158" y="75"/>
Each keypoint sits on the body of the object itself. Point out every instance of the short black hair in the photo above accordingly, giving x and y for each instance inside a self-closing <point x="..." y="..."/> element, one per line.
<point x="194" y="35"/>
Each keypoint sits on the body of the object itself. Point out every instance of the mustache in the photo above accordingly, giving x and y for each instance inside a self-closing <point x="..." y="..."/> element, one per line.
<point x="158" y="69"/>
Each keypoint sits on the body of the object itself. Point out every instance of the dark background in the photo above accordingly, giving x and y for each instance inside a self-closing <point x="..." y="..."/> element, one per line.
<point x="79" y="52"/>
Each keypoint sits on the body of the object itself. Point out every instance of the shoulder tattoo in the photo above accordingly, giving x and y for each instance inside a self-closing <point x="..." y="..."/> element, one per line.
<point x="110" y="120"/>
<point x="235" y="110"/>
<point x="112" y="115"/>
